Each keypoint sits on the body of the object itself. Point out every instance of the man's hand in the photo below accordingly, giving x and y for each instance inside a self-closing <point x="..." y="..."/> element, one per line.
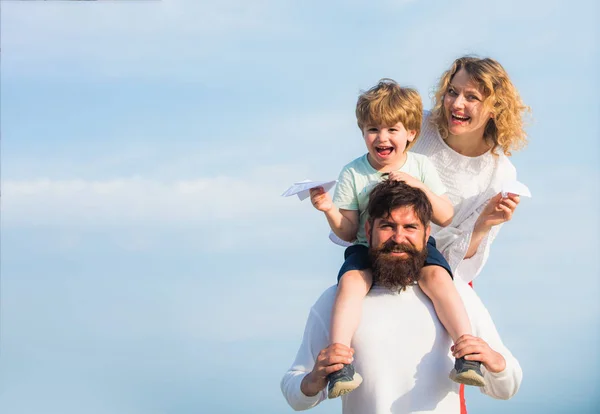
<point x="407" y="178"/>
<point x="497" y="211"/>
<point x="320" y="199"/>
<point x="476" y="349"/>
<point x="330" y="359"/>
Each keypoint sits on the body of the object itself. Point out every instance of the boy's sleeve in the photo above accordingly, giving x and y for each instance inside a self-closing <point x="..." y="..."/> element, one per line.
<point x="345" y="191"/>
<point x="431" y="178"/>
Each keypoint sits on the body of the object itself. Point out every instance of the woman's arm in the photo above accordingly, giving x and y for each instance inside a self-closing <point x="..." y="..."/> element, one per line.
<point x="497" y="211"/>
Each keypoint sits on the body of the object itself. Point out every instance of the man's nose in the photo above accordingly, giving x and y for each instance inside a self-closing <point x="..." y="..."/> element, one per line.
<point x="399" y="236"/>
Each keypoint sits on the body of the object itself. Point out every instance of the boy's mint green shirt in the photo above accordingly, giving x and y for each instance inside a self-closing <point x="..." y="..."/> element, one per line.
<point x="358" y="178"/>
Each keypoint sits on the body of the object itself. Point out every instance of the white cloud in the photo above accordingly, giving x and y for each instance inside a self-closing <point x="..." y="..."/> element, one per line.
<point x="139" y="200"/>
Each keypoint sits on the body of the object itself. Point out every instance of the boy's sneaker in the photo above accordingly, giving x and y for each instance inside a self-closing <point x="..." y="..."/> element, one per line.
<point x="467" y="372"/>
<point x="343" y="381"/>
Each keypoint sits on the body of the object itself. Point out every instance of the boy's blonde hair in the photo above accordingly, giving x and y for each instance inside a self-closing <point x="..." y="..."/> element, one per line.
<point x="387" y="103"/>
<point x="505" y="128"/>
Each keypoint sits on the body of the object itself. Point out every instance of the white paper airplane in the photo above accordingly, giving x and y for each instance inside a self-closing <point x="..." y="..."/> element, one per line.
<point x="515" y="187"/>
<point x="301" y="188"/>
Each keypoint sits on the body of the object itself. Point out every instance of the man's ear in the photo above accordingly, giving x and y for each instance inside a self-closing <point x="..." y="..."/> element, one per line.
<point x="427" y="231"/>
<point x="368" y="231"/>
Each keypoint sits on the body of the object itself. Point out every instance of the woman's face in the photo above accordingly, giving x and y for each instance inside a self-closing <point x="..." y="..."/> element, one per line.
<point x="464" y="108"/>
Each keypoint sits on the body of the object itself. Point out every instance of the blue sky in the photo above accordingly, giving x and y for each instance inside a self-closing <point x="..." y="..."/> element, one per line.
<point x="148" y="263"/>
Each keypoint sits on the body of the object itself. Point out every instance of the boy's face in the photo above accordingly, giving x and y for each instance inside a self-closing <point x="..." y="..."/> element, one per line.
<point x="386" y="145"/>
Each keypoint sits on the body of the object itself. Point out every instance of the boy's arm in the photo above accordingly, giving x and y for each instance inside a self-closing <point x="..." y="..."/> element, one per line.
<point x="344" y="223"/>
<point x="442" y="207"/>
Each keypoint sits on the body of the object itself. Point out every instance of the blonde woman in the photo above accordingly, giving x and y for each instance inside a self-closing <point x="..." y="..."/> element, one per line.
<point x="475" y="123"/>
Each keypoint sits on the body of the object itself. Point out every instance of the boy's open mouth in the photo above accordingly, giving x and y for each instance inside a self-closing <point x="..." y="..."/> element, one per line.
<point x="384" y="151"/>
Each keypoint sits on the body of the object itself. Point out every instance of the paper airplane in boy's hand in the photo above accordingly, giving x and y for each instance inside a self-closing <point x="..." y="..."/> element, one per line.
<point x="301" y="188"/>
<point x="515" y="187"/>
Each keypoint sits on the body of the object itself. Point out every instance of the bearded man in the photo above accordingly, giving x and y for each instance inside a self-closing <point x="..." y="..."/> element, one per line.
<point x="400" y="347"/>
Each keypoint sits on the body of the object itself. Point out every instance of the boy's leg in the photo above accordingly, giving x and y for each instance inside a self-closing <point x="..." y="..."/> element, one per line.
<point x="436" y="281"/>
<point x="347" y="308"/>
<point x="354" y="283"/>
<point x="438" y="285"/>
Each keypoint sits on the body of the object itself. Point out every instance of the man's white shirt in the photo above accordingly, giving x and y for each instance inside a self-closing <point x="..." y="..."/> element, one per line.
<point x="402" y="352"/>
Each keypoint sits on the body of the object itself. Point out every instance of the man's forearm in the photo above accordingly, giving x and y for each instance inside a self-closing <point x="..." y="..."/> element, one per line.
<point x="310" y="386"/>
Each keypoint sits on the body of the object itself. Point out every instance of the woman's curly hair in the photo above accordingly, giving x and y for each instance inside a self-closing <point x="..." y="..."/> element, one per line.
<point x="505" y="128"/>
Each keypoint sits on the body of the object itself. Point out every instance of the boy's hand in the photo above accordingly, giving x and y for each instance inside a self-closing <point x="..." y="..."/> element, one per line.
<point x="407" y="178"/>
<point x="497" y="211"/>
<point x="320" y="199"/>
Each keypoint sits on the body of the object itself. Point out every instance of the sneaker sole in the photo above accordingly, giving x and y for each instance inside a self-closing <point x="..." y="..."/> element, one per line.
<point x="469" y="377"/>
<point x="344" y="387"/>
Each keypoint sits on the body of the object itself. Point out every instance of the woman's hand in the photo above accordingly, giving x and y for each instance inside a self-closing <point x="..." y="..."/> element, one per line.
<point x="497" y="211"/>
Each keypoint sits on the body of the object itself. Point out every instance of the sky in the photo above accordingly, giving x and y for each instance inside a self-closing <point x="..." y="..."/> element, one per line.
<point x="148" y="261"/>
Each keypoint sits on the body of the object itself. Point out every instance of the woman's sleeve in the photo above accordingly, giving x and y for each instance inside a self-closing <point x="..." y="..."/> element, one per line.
<point x="453" y="241"/>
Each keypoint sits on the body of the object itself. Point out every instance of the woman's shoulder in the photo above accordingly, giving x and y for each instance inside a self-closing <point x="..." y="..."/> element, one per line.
<point x="428" y="139"/>
<point x="427" y="125"/>
<point x="505" y="167"/>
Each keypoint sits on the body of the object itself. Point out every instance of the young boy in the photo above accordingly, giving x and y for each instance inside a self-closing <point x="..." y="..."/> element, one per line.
<point x="389" y="117"/>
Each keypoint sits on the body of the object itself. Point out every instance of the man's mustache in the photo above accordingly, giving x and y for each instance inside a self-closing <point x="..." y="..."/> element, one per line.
<point x="392" y="247"/>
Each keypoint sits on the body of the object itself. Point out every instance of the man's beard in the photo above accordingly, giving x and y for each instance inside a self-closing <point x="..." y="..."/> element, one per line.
<point x="393" y="272"/>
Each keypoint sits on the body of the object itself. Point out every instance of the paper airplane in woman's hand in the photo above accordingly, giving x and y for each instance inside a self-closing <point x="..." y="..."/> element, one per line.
<point x="301" y="188"/>
<point x="515" y="187"/>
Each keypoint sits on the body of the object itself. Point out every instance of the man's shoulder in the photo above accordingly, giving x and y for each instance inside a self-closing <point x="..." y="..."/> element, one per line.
<point x="324" y="303"/>
<point x="466" y="291"/>
<point x="473" y="304"/>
